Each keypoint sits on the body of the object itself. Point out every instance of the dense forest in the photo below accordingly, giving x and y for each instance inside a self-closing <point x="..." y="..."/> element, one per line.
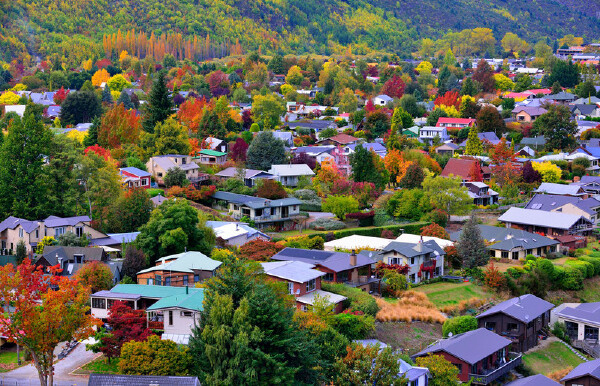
<point x="76" y="28"/>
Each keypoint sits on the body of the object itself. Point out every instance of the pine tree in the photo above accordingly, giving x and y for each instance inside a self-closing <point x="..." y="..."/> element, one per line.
<point x="126" y="101"/>
<point x="474" y="146"/>
<point x="264" y="151"/>
<point x="471" y="246"/>
<point x="160" y="106"/>
<point x="91" y="138"/>
<point x="106" y="95"/>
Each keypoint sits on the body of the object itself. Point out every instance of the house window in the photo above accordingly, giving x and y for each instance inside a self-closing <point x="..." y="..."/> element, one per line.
<point x="78" y="259"/>
<point x="79" y="231"/>
<point x="492" y="253"/>
<point x="512" y="327"/>
<point x="159" y="174"/>
<point x="196" y="278"/>
<point x="290" y="288"/>
<point x="304" y="307"/>
<point x="490" y="326"/>
<point x="311" y="285"/>
<point x="539" y="251"/>
<point x="395" y="260"/>
<point x="515" y="255"/>
<point x="158" y="279"/>
<point x="150" y="281"/>
<point x="170" y="318"/>
<point x="529" y="251"/>
<point x="474" y="369"/>
<point x="412" y="278"/>
<point x="98" y="303"/>
<point x="504" y="254"/>
<point x="59" y="231"/>
<point x="328" y="276"/>
<point x="187" y="314"/>
<point x="412" y="261"/>
<point x="144" y="181"/>
<point x="37" y="233"/>
<point x="459" y="367"/>
<point x="21" y="232"/>
<point x="167" y="281"/>
<point x="183" y="161"/>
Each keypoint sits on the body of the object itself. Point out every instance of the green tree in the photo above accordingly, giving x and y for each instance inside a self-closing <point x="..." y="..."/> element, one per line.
<point x="154" y="357"/>
<point x="368" y="365"/>
<point x="364" y="168"/>
<point x="91" y="137"/>
<point x="264" y="151"/>
<point x="469" y="87"/>
<point x="130" y="211"/>
<point x="267" y="110"/>
<point x="340" y="205"/>
<point x="565" y="73"/>
<point x="170" y="137"/>
<point x="21" y="168"/>
<point x="586" y="89"/>
<point x="557" y="127"/>
<point x="159" y="106"/>
<point x="443" y="373"/>
<point x="435" y="115"/>
<point x="80" y="107"/>
<point x="21" y="251"/>
<point x="125" y="100"/>
<point x="471" y="246"/>
<point x="447" y="194"/>
<point x="106" y="95"/>
<point x="70" y="239"/>
<point x="173" y="227"/>
<point x="490" y="120"/>
<point x="474" y="146"/>
<point x="459" y="324"/>
<point x="175" y="177"/>
<point x="414" y="176"/>
<point x="409" y="103"/>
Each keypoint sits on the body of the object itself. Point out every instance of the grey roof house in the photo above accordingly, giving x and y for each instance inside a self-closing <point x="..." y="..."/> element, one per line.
<point x="546" y="223"/>
<point x="587" y="373"/>
<point x="534" y="380"/>
<point x="141" y="380"/>
<point x="582" y="322"/>
<point x="425" y="259"/>
<point x="251" y="176"/>
<point x="588" y="207"/>
<point x="289" y="174"/>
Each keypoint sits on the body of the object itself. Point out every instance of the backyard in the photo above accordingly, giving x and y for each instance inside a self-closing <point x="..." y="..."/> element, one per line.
<point x="99" y="366"/>
<point x="550" y="357"/>
<point x="445" y="294"/>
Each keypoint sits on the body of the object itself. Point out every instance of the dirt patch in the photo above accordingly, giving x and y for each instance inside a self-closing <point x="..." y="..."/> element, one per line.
<point x="409" y="337"/>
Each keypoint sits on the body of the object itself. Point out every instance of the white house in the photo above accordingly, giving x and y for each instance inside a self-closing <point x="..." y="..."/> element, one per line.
<point x="382" y="100"/>
<point x="288" y="174"/>
<point x="428" y="133"/>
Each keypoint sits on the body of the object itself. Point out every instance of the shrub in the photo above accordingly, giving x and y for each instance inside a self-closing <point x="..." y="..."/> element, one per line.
<point x="353" y="325"/>
<point x="358" y="300"/>
<point x="595" y="262"/>
<point x="436" y="216"/>
<point x="572" y="279"/>
<point x="327" y="224"/>
<point x="459" y="324"/>
<point x="414" y="228"/>
<point x="586" y="269"/>
<point x="365" y="219"/>
<point x="387" y="234"/>
<point x="311" y="202"/>
<point x="305" y="242"/>
<point x="434" y="230"/>
<point x="560" y="331"/>
<point x="396" y="282"/>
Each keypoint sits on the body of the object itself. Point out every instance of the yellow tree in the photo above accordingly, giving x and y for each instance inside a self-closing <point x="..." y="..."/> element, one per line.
<point x="99" y="77"/>
<point x="9" y="98"/>
<point x="513" y="43"/>
<point x="396" y="165"/>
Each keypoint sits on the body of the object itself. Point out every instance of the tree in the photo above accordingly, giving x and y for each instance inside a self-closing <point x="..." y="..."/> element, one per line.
<point x="434" y="230"/>
<point x="39" y="313"/>
<point x="586" y="89"/>
<point x="125" y="100"/>
<point x="530" y="175"/>
<point x="364" y="168"/>
<point x="490" y="120"/>
<point x="264" y="151"/>
<point x="294" y="76"/>
<point x="99" y="77"/>
<point x="80" y="107"/>
<point x="118" y="127"/>
<point x="348" y="102"/>
<point x="259" y="250"/>
<point x="134" y="261"/>
<point x="459" y="325"/>
<point x="175" y="177"/>
<point x="91" y="137"/>
<point x="270" y="189"/>
<point x="267" y="110"/>
<point x="340" y="205"/>
<point x="435" y="116"/>
<point x="21" y="168"/>
<point x="447" y="194"/>
<point x="106" y="95"/>
<point x="368" y="365"/>
<point x="21" y="251"/>
<point x="170" y="137"/>
<point x="95" y="275"/>
<point x="471" y="246"/>
<point x="159" y="106"/>
<point x="70" y="239"/>
<point x="548" y="171"/>
<point x="565" y="73"/>
<point x="414" y="176"/>
<point x="409" y="103"/>
<point x="60" y="96"/>
<point x="557" y="127"/>
<point x="475" y="173"/>
<point x="443" y="373"/>
<point x="484" y="75"/>
<point x="9" y="98"/>
<point x="468" y="107"/>
<point x="154" y="356"/>
<point x="556" y="88"/>
<point x="173" y="227"/>
<point x="474" y="145"/>
<point x="238" y="150"/>
<point x="513" y="44"/>
<point x="503" y="82"/>
<point x="130" y="211"/>
<point x="394" y="87"/>
<point x="470" y="87"/>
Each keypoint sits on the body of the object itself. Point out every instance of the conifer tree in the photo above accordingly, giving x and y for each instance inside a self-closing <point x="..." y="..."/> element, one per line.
<point x="471" y="246"/>
<point x="106" y="95"/>
<point x="91" y="138"/>
<point x="160" y="106"/>
<point x="474" y="146"/>
<point x="126" y="101"/>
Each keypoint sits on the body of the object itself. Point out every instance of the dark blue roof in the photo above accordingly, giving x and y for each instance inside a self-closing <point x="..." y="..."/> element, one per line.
<point x="136" y="172"/>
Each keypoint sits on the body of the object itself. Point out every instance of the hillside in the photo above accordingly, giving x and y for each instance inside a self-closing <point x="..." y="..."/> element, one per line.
<point x="289" y="26"/>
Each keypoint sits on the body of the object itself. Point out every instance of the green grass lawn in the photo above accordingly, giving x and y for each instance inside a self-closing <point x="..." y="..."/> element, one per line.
<point x="556" y="356"/>
<point x="8" y="360"/>
<point x="447" y="293"/>
<point x="100" y="366"/>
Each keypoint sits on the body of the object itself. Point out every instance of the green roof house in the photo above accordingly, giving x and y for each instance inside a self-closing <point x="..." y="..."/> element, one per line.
<point x="210" y="157"/>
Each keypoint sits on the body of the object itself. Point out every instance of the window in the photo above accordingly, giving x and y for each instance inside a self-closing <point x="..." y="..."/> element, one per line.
<point x="539" y="251"/>
<point x="37" y="233"/>
<point x="492" y="253"/>
<point x="474" y="369"/>
<point x="109" y="303"/>
<point x="395" y="260"/>
<point x="459" y="367"/>
<point x="196" y="278"/>
<point x="304" y="307"/>
<point x="328" y="276"/>
<point x="59" y="231"/>
<point x="185" y="279"/>
<point x="167" y="281"/>
<point x="290" y="288"/>
<point x="504" y="254"/>
<point x="490" y="326"/>
<point x="412" y="278"/>
<point x="186" y="314"/>
<point x="158" y="279"/>
<point x="21" y="232"/>
<point x="159" y="174"/>
<point x="79" y="231"/>
<point x="183" y="161"/>
<point x="311" y="285"/>
<point x="98" y="303"/>
<point x="150" y="281"/>
<point x="78" y="258"/>
<point x="144" y="181"/>
<point x="515" y="255"/>
<point x="170" y="318"/>
<point x="529" y="251"/>
<point x="512" y="327"/>
<point x="412" y="261"/>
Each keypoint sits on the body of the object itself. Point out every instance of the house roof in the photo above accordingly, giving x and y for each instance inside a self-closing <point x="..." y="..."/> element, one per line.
<point x="316" y="124"/>
<point x="296" y="271"/>
<point x="54" y="221"/>
<point x="116" y="295"/>
<point x="140" y="380"/>
<point x="560" y="189"/>
<point x="489" y="136"/>
<point x="158" y="199"/>
<point x="548" y="202"/>
<point x="192" y="300"/>
<point x="335" y="261"/>
<point x="147" y="291"/>
<point x="185" y="262"/>
<point x="314" y="150"/>
<point x="585" y="312"/>
<point x="557" y="220"/>
<point x="375" y="146"/>
<point x="524" y="308"/>
<point x="464" y="121"/>
<point x="561" y="96"/>
<point x="589" y="100"/>
<point x="584" y="109"/>
<point x="255" y="202"/>
<point x="471" y="346"/>
<point x="410" y="238"/>
<point x="291" y="170"/>
<point x="310" y="297"/>
<point x="358" y="242"/>
<point x="408" y="249"/>
<point x="459" y="167"/>
<point x="228" y="230"/>
<point x="212" y="152"/>
<point x="532" y="111"/>
<point x="507" y="239"/>
<point x="540" y="140"/>
<point x="534" y="380"/>
<point x="342" y="139"/>
<point x="591" y="368"/>
<point x="135" y="171"/>
<point x="165" y="162"/>
<point x="248" y="173"/>
<point x="53" y="252"/>
<point x="384" y="97"/>
<point x="12" y="222"/>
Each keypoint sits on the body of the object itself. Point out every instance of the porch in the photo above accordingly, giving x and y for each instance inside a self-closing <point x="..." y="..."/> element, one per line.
<point x="501" y="369"/>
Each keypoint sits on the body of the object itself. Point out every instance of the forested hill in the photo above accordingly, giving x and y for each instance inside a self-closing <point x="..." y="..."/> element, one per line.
<point x="76" y="27"/>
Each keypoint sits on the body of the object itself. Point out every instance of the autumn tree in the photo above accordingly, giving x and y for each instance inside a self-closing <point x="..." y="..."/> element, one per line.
<point x="475" y="173"/>
<point x="443" y="373"/>
<point x="484" y="75"/>
<point x="270" y="189"/>
<point x="394" y="87"/>
<point x="134" y="261"/>
<point x="447" y="194"/>
<point x="340" y="205"/>
<point x="513" y="44"/>
<point x="368" y="365"/>
<point x="159" y="106"/>
<point x="119" y="127"/>
<point x="530" y="175"/>
<point x="168" y="137"/>
<point x="154" y="356"/>
<point x="474" y="145"/>
<point x="239" y="150"/>
<point x="557" y="127"/>
<point x="267" y="110"/>
<point x="60" y="96"/>
<point x="95" y="275"/>
<point x="39" y="312"/>
<point x="503" y="160"/>
<point x="434" y="230"/>
<point x="190" y="113"/>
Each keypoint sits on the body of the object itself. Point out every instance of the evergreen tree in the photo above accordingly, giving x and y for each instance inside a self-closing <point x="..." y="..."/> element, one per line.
<point x="126" y="101"/>
<point x="264" y="151"/>
<point x="469" y="87"/>
<point x="556" y="88"/>
<point x="106" y="95"/>
<point x="364" y="168"/>
<point x="474" y="146"/>
<point x="80" y="107"/>
<point x="558" y="128"/>
<point x="160" y="106"/>
<point x="471" y="246"/>
<point x="91" y="138"/>
<point x="443" y="77"/>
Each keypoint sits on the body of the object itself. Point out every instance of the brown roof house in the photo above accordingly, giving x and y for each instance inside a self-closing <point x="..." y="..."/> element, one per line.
<point x="340" y="139"/>
<point x="462" y="167"/>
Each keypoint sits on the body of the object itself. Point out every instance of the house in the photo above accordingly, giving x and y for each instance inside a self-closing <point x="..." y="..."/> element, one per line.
<point x="424" y="259"/>
<point x="481" y="193"/>
<point x="534" y="380"/>
<point x="585" y="110"/>
<point x="114" y="241"/>
<point x="515" y="244"/>
<point x="17" y="109"/>
<point x="480" y="355"/>
<point x="525" y="114"/>
<point x="589" y="101"/>
<point x="289" y="174"/>
<point x="427" y="134"/>
<point x="447" y="148"/>
<point x="382" y="100"/>
<point x="463" y="167"/>
<point x="487" y="137"/>
<point x="589" y="207"/>
<point x="350" y="269"/>
<point x="159" y="165"/>
<point x="286" y="136"/>
<point x="589" y="184"/>
<point x="71" y="259"/>
<point x="357" y="243"/>
<point x="279" y="213"/>
<point x="336" y="158"/>
<point x="52" y="112"/>
<point x="315" y="125"/>
<point x="210" y="157"/>
<point x="526" y="152"/>
<point x="251" y="176"/>
<point x="563" y="98"/>
<point x="182" y="269"/>
<point x="135" y="178"/>
<point x="303" y="282"/>
<point x="376" y="147"/>
<point x="339" y="140"/>
<point x="519" y="319"/>
<point x="235" y="233"/>
<point x="318" y="153"/>
<point x="140" y="380"/>
<point x="582" y="322"/>
<point x="455" y="123"/>
<point x="561" y="190"/>
<point x="216" y="144"/>
<point x="412" y="238"/>
<point x="536" y="143"/>
<point x="411" y="132"/>
<point x="546" y="223"/>
<point x="586" y="374"/>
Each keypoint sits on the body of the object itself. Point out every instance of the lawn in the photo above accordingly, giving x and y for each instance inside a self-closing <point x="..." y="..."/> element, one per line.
<point x="8" y="361"/>
<point x="447" y="293"/>
<point x="100" y="366"/>
<point x="502" y="267"/>
<point x="555" y="356"/>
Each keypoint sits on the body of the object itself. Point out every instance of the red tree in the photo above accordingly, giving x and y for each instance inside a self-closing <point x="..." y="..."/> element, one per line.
<point x="303" y="158"/>
<point x="450" y="98"/>
<point x="484" y="74"/>
<point x="434" y="230"/>
<point x="239" y="150"/>
<point x="60" y="96"/>
<point x="102" y="152"/>
<point x="259" y="250"/>
<point x="475" y="172"/>
<point x="394" y="87"/>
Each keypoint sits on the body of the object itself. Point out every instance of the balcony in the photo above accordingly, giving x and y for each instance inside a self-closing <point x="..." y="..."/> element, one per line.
<point x="491" y="375"/>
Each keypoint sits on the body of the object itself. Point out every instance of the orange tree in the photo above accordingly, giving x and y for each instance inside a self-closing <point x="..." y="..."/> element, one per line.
<point x="95" y="275"/>
<point x="39" y="312"/>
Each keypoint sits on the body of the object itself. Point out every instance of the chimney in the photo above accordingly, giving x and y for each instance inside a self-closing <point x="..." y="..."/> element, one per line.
<point x="353" y="258"/>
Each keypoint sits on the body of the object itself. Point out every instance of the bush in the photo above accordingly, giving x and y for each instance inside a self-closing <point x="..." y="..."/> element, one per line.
<point x="396" y="282"/>
<point x="365" y="219"/>
<point x="311" y="202"/>
<point x="358" y="300"/>
<point x="595" y="262"/>
<point x="586" y="269"/>
<point x="327" y="224"/>
<point x="560" y="331"/>
<point x="459" y="324"/>
<point x="572" y="279"/>
<point x="353" y="325"/>
<point x="305" y="242"/>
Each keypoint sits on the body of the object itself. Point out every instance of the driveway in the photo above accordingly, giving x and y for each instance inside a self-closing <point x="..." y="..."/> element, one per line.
<point x="27" y="375"/>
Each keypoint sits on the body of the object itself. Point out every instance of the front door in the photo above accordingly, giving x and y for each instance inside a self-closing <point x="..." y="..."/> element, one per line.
<point x="285" y="211"/>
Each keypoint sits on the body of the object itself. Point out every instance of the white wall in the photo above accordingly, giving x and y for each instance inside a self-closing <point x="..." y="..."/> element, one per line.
<point x="181" y="324"/>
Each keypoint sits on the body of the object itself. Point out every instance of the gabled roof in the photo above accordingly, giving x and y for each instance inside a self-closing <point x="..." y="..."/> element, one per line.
<point x="336" y="261"/>
<point x="53" y="252"/>
<point x="524" y="308"/>
<point x="548" y="202"/>
<point x="357" y="242"/>
<point x="214" y="153"/>
<point x="459" y="167"/>
<point x="310" y="297"/>
<point x="555" y="220"/>
<point x="540" y="140"/>
<point x="254" y="202"/>
<point x="534" y="380"/>
<point x="12" y="222"/>
<point x="316" y="124"/>
<point x="413" y="239"/>
<point x="375" y="146"/>
<point x="296" y="271"/>
<point x="408" y="249"/>
<point x="561" y="96"/>
<point x="532" y="111"/>
<point x="147" y="291"/>
<point x="471" y="346"/>
<point x="342" y="139"/>
<point x="385" y="98"/>
<point x="135" y="171"/>
<point x="192" y="300"/>
<point x="463" y="121"/>
<point x="507" y="239"/>
<point x="54" y="221"/>
<point x="585" y="312"/>
<point x="560" y="189"/>
<point x="489" y="136"/>
<point x="591" y="368"/>
<point x="185" y="262"/>
<point x="291" y="170"/>
<point x="314" y="150"/>
<point x="228" y="230"/>
<point x="584" y="109"/>
<point x="140" y="380"/>
<point x="248" y="173"/>
<point x="166" y="163"/>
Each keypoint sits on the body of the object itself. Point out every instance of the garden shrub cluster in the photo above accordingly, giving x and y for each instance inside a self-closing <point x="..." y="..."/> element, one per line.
<point x="459" y="324"/>
<point x="358" y="300"/>
<point x="327" y="224"/>
<point x="311" y="202"/>
<point x="353" y="324"/>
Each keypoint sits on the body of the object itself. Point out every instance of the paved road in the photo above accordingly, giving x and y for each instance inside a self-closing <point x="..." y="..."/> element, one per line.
<point x="27" y="375"/>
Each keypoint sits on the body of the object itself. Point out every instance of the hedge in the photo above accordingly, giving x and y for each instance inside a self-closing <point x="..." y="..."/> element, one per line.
<point x="459" y="324"/>
<point x="358" y="300"/>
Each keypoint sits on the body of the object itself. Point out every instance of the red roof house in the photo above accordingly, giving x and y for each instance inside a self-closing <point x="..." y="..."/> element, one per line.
<point x="455" y="122"/>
